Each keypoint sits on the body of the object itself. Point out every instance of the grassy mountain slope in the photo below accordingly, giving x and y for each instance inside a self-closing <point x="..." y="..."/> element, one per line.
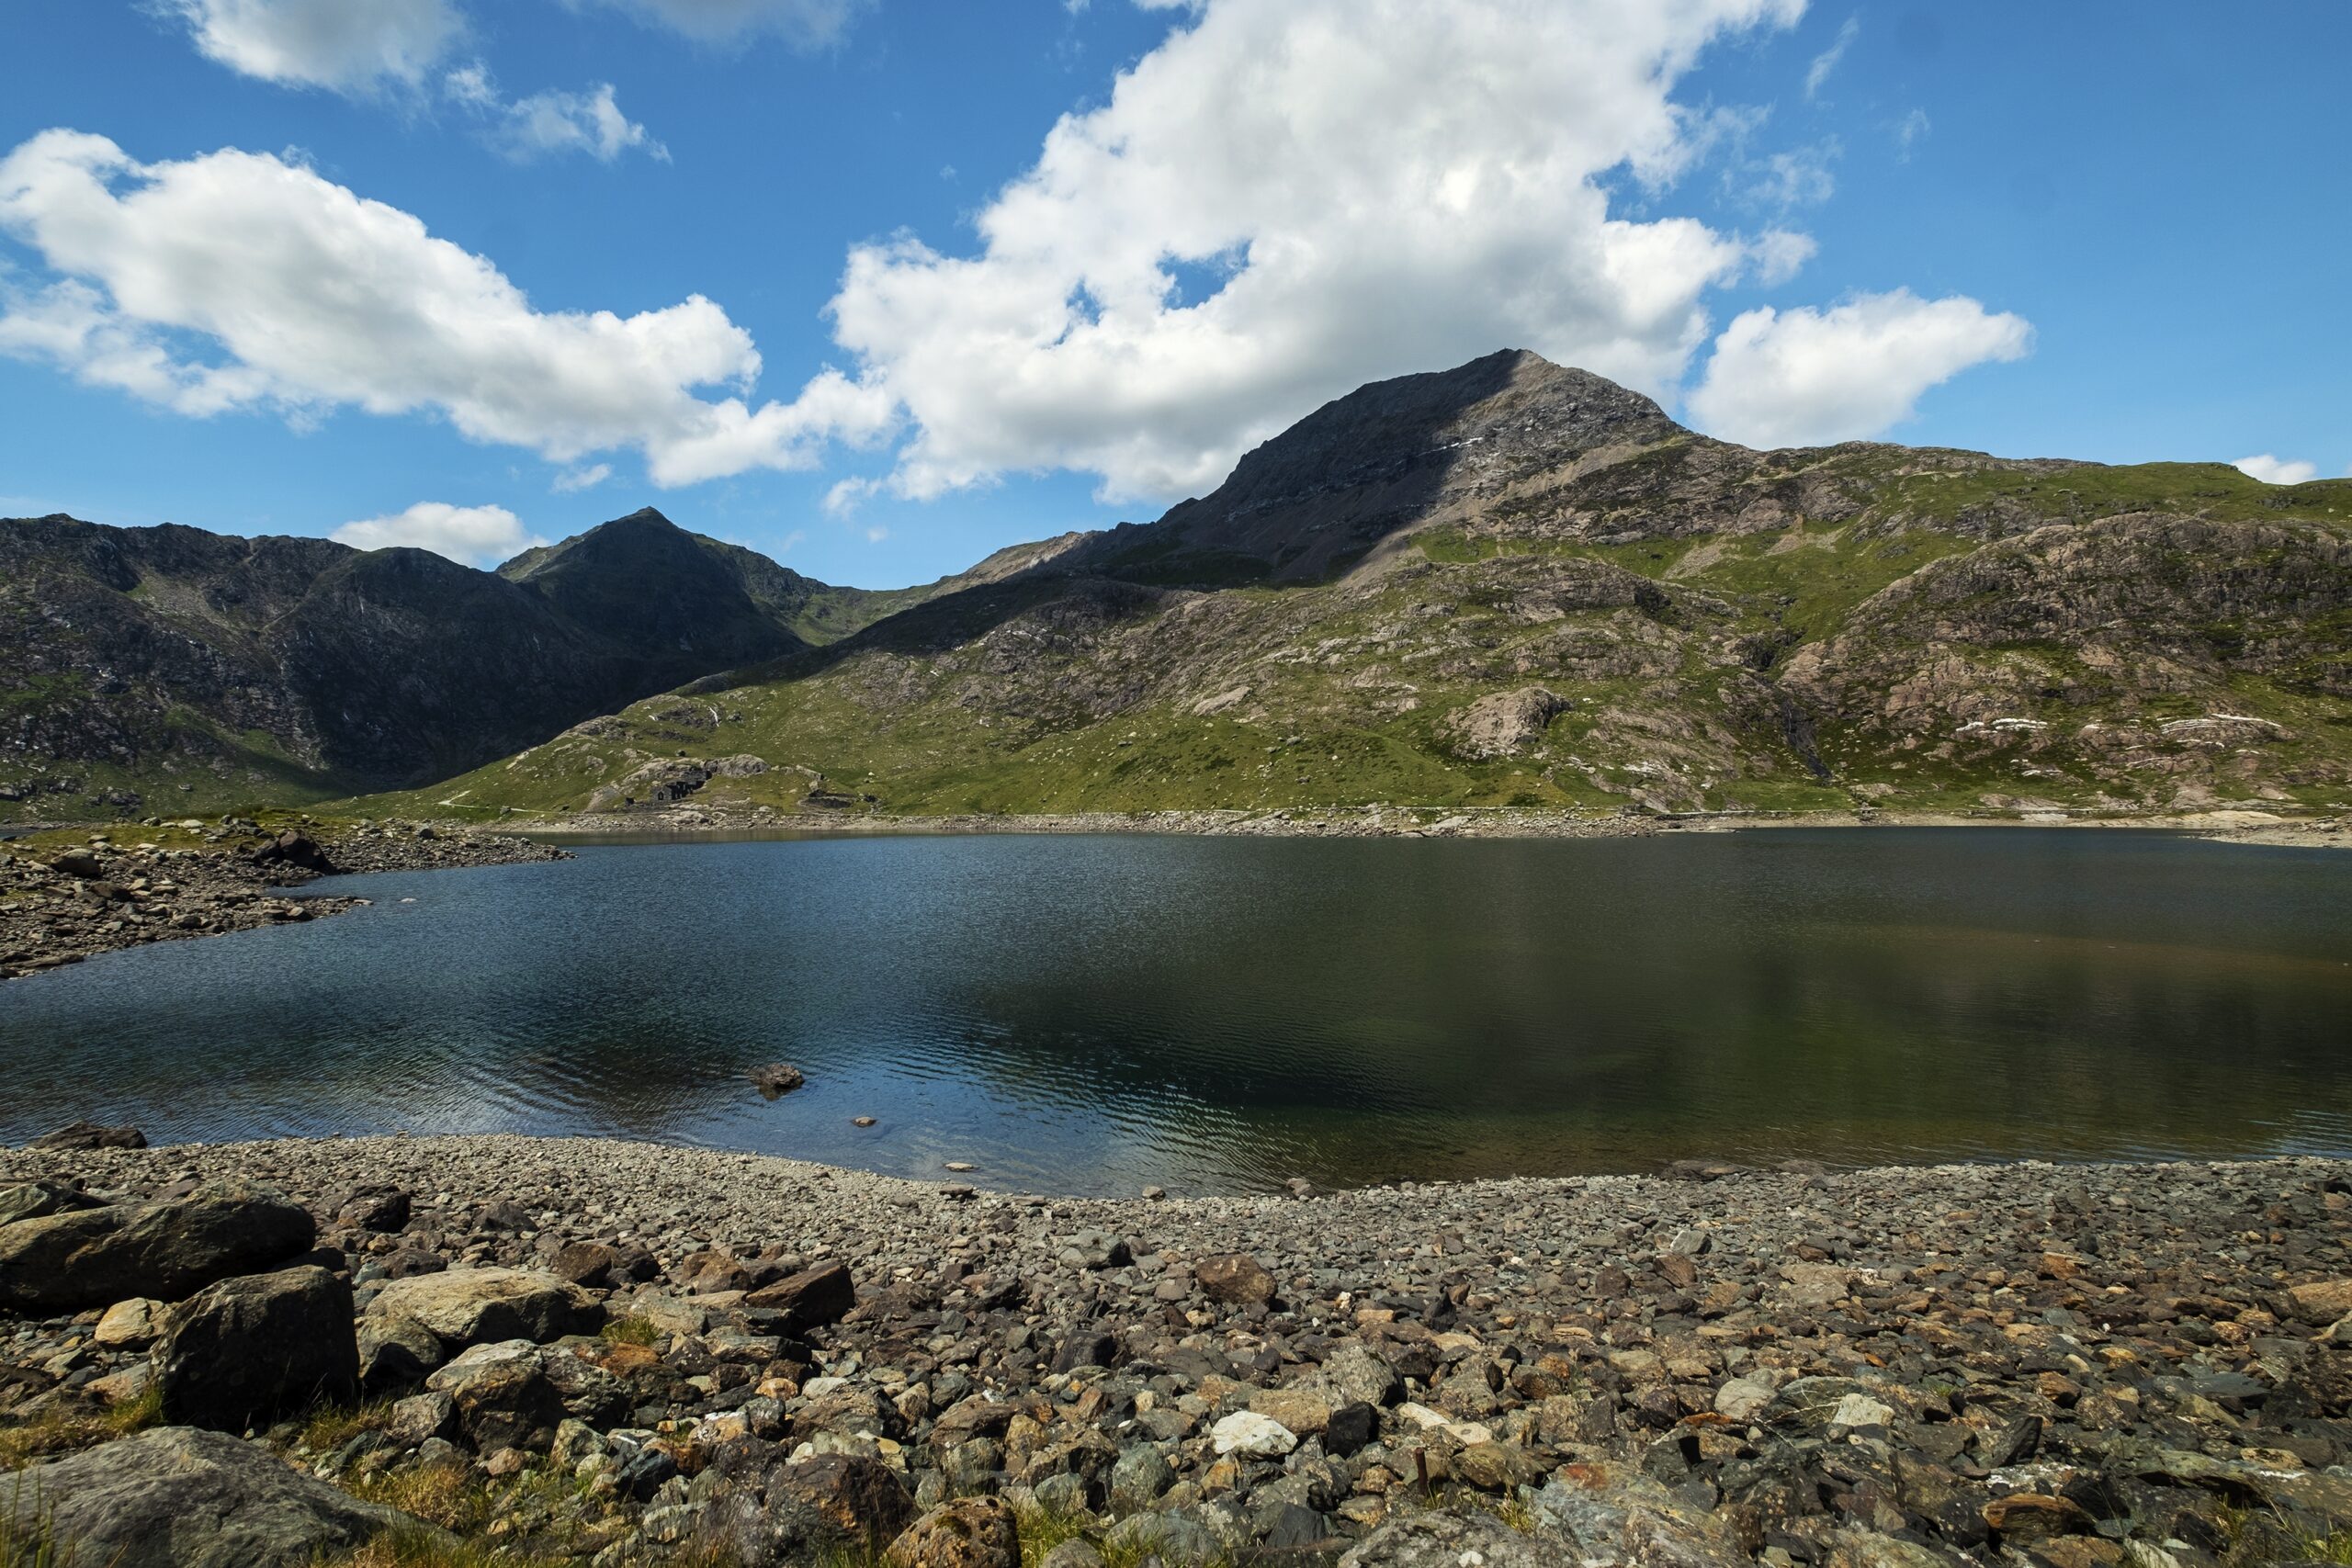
<point x="1513" y="583"/>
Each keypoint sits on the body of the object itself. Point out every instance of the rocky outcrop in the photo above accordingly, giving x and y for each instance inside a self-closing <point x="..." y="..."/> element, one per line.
<point x="197" y="1499"/>
<point x="1504" y="724"/>
<point x="87" y="1258"/>
<point x="67" y="906"/>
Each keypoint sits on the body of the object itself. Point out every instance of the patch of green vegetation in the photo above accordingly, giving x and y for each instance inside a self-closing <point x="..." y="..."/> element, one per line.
<point x="631" y="1329"/>
<point x="57" y="1433"/>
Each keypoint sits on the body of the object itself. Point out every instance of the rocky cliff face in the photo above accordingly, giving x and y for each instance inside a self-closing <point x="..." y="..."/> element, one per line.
<point x="1517" y="584"/>
<point x="196" y="669"/>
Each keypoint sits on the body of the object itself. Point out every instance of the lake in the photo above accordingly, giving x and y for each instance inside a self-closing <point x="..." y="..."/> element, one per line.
<point x="1092" y="1014"/>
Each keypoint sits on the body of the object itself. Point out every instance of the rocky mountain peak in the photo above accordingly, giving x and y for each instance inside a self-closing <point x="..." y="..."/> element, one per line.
<point x="1386" y="456"/>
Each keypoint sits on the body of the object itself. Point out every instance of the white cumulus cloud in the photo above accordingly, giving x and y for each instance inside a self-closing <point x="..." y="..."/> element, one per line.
<point x="1805" y="378"/>
<point x="550" y="122"/>
<point x="2273" y="470"/>
<point x="347" y="45"/>
<point x="571" y="482"/>
<point x="1289" y="198"/>
<point x="472" y="536"/>
<point x="808" y="24"/>
<point x="238" y="279"/>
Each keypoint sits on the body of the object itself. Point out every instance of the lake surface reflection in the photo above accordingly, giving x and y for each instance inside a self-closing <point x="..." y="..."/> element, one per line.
<point x="1092" y="1014"/>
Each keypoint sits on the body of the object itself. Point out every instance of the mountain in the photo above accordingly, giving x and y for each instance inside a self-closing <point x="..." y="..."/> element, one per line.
<point x="175" y="668"/>
<point x="1517" y="583"/>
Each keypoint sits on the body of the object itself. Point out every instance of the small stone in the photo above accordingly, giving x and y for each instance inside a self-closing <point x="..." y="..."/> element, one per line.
<point x="1247" y="1432"/>
<point x="132" y="1324"/>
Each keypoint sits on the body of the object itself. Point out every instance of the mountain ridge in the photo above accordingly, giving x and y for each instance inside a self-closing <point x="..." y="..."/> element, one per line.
<point x="1509" y="584"/>
<point x="144" y="660"/>
<point x="1516" y="584"/>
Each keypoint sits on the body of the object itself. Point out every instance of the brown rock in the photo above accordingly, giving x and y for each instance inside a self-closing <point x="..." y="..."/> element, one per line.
<point x="1302" y="1410"/>
<point x="130" y="1324"/>
<point x="589" y="1263"/>
<point x="1238" y="1279"/>
<point x="971" y="1532"/>
<point x="2025" y="1517"/>
<point x="2321" y="1302"/>
<point x="811" y="1299"/>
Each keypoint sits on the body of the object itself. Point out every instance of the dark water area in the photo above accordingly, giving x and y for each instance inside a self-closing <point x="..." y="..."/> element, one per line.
<point x="1094" y="1014"/>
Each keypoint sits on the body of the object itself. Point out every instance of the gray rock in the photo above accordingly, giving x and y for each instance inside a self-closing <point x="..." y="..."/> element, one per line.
<point x="93" y="1258"/>
<point x="82" y="1137"/>
<point x="1176" y="1539"/>
<point x="396" y="1353"/>
<point x="1361" y="1377"/>
<point x="34" y="1200"/>
<point x="1139" y="1478"/>
<point x="197" y="1499"/>
<point x="514" y="1395"/>
<point x="1448" y="1541"/>
<point x="245" y="1349"/>
<point x="1075" y="1552"/>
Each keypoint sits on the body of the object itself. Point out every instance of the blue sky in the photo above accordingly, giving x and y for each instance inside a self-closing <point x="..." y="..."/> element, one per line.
<point x="320" y="265"/>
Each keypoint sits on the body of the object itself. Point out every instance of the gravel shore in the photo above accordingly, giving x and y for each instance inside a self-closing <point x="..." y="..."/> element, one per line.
<point x="2074" y="1365"/>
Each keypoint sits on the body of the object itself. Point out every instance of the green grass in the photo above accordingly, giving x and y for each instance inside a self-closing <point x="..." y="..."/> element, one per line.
<point x="54" y="1433"/>
<point x="631" y="1330"/>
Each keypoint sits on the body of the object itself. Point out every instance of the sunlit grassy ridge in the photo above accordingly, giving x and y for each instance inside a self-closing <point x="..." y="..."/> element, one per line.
<point x="1672" y="636"/>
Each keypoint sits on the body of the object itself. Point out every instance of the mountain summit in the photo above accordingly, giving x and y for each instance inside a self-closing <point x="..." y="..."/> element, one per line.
<point x="1385" y="457"/>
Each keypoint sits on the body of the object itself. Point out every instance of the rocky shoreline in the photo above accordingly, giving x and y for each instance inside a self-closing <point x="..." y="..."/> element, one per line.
<point x="1416" y="822"/>
<point x="67" y="897"/>
<point x="623" y="1353"/>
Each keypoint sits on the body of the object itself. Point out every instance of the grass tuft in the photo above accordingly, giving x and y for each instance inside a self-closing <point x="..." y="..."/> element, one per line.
<point x="59" y="1432"/>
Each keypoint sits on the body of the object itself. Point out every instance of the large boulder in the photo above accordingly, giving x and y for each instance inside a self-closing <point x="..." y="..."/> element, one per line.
<point x="483" y="1306"/>
<point x="830" y="1506"/>
<point x="93" y="1258"/>
<point x="196" y="1499"/>
<point x="245" y="1349"/>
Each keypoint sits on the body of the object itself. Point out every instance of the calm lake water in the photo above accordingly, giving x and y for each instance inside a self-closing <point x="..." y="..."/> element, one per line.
<point x="1092" y="1014"/>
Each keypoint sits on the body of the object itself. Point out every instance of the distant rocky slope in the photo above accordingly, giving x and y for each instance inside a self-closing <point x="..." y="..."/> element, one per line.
<point x="173" y="669"/>
<point x="1513" y="583"/>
